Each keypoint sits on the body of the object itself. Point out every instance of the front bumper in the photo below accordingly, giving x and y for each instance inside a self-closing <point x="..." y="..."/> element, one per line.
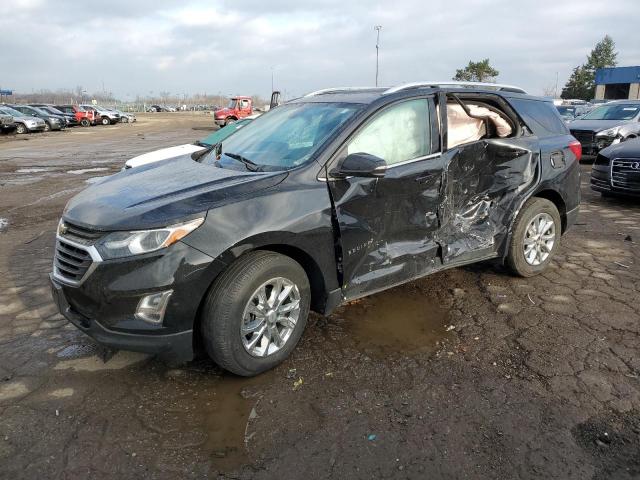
<point x="104" y="303"/>
<point x="220" y="121"/>
<point x="601" y="182"/>
<point x="177" y="347"/>
<point x="37" y="128"/>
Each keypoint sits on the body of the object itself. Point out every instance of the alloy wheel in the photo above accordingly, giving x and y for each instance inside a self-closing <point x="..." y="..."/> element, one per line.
<point x="270" y="317"/>
<point x="539" y="239"/>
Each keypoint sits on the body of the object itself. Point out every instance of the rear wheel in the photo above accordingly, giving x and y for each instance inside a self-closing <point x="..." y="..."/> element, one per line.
<point x="21" y="128"/>
<point x="255" y="312"/>
<point x="535" y="237"/>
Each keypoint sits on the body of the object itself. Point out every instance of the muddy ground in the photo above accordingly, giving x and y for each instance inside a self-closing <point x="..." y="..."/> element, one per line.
<point x="469" y="373"/>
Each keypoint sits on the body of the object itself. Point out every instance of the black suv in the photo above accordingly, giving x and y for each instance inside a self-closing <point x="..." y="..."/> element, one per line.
<point x="325" y="199"/>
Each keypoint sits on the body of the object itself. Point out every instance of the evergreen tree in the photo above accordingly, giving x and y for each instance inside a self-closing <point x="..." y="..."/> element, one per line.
<point x="581" y="83"/>
<point x="477" y="72"/>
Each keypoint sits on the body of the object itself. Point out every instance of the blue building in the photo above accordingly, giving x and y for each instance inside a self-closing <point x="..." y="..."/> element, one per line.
<point x="618" y="83"/>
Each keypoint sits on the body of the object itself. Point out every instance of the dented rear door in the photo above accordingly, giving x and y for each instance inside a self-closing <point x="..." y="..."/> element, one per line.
<point x="483" y="185"/>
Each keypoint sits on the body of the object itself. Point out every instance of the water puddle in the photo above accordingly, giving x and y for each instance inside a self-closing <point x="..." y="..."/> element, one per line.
<point x="399" y="320"/>
<point x="87" y="170"/>
<point x="226" y="413"/>
<point x="35" y="170"/>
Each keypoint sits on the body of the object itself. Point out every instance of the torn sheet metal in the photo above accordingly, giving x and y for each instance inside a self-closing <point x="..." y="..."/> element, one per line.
<point x="481" y="189"/>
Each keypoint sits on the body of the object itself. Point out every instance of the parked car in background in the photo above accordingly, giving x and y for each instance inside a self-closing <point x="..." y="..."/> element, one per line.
<point x="103" y="115"/>
<point x="7" y="124"/>
<point x="571" y="112"/>
<point x="125" y="117"/>
<point x="239" y="107"/>
<point x="607" y="124"/>
<point x="326" y="199"/>
<point x="84" y="117"/>
<point x="616" y="170"/>
<point x="189" y="148"/>
<point x="52" y="122"/>
<point x="71" y="119"/>
<point x="24" y="123"/>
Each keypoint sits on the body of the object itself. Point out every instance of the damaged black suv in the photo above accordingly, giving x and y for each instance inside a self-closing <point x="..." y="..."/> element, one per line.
<point x="328" y="198"/>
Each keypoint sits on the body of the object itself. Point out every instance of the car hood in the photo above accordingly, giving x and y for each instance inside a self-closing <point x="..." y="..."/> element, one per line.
<point x="222" y="111"/>
<point x="595" y="125"/>
<point x="628" y="149"/>
<point x="162" y="154"/>
<point x="161" y="194"/>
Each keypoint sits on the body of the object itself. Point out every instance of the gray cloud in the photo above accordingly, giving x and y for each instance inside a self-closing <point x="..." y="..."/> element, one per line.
<point x="138" y="47"/>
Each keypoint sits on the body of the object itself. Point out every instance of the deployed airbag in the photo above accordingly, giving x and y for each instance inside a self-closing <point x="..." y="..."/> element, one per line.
<point x="463" y="128"/>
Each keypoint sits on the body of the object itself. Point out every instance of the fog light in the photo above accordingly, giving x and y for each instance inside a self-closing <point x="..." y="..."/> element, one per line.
<point x="152" y="307"/>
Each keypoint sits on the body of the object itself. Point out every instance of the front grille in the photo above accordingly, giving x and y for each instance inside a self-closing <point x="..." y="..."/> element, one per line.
<point x="71" y="261"/>
<point x="585" y="137"/>
<point x="81" y="235"/>
<point x="625" y="173"/>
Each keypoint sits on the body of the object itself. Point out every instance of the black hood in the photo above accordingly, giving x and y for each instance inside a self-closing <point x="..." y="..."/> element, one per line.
<point x="628" y="149"/>
<point x="162" y="193"/>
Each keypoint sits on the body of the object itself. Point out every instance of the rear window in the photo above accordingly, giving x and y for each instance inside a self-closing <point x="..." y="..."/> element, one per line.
<point x="541" y="117"/>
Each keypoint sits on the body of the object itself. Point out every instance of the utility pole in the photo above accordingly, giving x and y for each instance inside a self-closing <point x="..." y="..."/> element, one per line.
<point x="377" y="28"/>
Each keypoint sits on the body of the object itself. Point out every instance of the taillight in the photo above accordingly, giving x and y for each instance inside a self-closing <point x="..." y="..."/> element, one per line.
<point x="576" y="148"/>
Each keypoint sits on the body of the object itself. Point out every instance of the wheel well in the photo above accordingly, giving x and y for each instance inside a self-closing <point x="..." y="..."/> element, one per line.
<point x="314" y="274"/>
<point x="555" y="198"/>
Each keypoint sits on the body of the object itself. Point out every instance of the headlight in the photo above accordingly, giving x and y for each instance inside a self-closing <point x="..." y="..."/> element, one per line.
<point x="126" y="244"/>
<point x="609" y="132"/>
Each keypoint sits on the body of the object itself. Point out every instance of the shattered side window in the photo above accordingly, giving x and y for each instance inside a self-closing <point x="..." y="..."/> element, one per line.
<point x="398" y="134"/>
<point x="541" y="117"/>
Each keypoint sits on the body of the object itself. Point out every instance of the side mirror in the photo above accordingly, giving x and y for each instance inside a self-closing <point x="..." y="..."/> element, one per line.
<point x="360" y="165"/>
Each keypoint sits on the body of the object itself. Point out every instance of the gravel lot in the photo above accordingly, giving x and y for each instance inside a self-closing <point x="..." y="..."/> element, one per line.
<point x="469" y="373"/>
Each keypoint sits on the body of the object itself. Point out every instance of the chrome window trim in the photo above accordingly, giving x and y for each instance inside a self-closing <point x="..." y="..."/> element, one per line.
<point x="96" y="259"/>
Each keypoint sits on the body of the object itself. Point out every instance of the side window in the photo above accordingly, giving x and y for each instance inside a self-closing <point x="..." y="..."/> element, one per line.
<point x="397" y="134"/>
<point x="541" y="117"/>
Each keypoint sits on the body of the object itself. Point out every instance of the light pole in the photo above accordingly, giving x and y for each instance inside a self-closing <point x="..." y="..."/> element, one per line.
<point x="377" y="28"/>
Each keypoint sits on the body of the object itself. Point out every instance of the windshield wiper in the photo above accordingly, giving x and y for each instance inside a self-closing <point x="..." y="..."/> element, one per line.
<point x="251" y="166"/>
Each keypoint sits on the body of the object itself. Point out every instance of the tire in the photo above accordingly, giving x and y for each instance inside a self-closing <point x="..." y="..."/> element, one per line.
<point x="105" y="121"/>
<point x="21" y="128"/>
<point x="538" y="246"/>
<point x="85" y="122"/>
<point x="225" y="312"/>
<point x="229" y="120"/>
<point x="47" y="127"/>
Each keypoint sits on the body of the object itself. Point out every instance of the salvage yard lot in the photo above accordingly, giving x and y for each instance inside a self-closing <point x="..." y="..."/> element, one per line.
<point x="468" y="373"/>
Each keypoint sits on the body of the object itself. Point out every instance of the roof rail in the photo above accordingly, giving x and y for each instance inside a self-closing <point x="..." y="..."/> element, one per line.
<point x="453" y="83"/>
<point x="336" y="89"/>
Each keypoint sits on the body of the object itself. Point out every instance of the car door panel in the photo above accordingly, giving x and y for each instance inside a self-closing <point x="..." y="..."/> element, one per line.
<point x="387" y="225"/>
<point x="482" y="190"/>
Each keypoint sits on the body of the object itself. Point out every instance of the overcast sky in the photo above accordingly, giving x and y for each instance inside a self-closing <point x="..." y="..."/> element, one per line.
<point x="231" y="46"/>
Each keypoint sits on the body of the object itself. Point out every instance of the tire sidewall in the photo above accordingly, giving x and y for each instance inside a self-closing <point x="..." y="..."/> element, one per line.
<point x="516" y="258"/>
<point x="21" y="129"/>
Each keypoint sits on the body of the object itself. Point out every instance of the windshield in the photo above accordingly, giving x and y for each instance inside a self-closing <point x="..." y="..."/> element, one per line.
<point x="567" y="111"/>
<point x="285" y="137"/>
<point x="224" y="133"/>
<point x="621" y="111"/>
<point x="53" y="110"/>
<point x="40" y="111"/>
<point x="11" y="111"/>
<point x="232" y="103"/>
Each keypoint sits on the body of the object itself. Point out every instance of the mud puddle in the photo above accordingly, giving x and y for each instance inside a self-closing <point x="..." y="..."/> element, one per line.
<point x="227" y="412"/>
<point x="396" y="321"/>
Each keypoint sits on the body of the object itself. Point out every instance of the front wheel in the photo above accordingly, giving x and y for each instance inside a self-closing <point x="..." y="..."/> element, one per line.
<point x="255" y="312"/>
<point x="535" y="237"/>
<point x="105" y="121"/>
<point x="229" y="120"/>
<point x="85" y="122"/>
<point x="21" y="128"/>
<point x="47" y="127"/>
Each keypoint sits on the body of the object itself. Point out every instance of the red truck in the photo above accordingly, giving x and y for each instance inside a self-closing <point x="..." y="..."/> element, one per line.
<point x="239" y="107"/>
